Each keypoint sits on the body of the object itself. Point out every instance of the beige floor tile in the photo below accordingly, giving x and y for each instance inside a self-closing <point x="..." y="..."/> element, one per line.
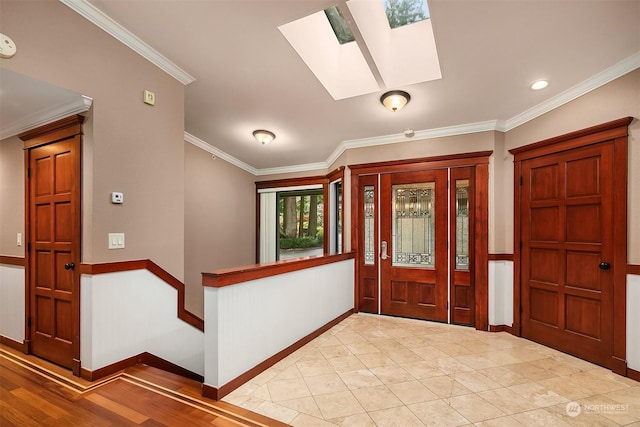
<point x="309" y="368"/>
<point x="564" y="386"/>
<point x="329" y="342"/>
<point x="474" y="408"/>
<point x="365" y="347"/>
<point x="451" y="366"/>
<point x="539" y="417"/>
<point x="538" y="394"/>
<point x="333" y="351"/>
<point x="304" y="420"/>
<point x="477" y="346"/>
<point x="621" y="413"/>
<point x="403" y="355"/>
<point x="277" y="412"/>
<point x="388" y="345"/>
<point x="476" y="361"/>
<point x="476" y="382"/>
<point x="346" y="364"/>
<point x="422" y="369"/>
<point x="392" y="374"/>
<point x="508" y="401"/>
<point x="350" y="337"/>
<point x="630" y="395"/>
<point x="437" y="413"/>
<point x="396" y="417"/>
<point x="445" y="386"/>
<point x="340" y="404"/>
<point x="374" y="336"/>
<point x="508" y="421"/>
<point x="429" y="353"/>
<point x="585" y="419"/>
<point x="411" y="392"/>
<point x="327" y="383"/>
<point x="374" y="360"/>
<point x="453" y="349"/>
<point x="305" y="405"/>
<point x="376" y="398"/>
<point x="288" y="373"/>
<point x="359" y="379"/>
<point x="288" y="389"/>
<point x="499" y="358"/>
<point x="246" y="402"/>
<point x="359" y="420"/>
<point x="505" y="375"/>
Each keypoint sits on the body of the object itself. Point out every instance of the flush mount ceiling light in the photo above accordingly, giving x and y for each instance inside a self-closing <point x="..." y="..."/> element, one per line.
<point x="395" y="99"/>
<point x="539" y="84"/>
<point x="263" y="136"/>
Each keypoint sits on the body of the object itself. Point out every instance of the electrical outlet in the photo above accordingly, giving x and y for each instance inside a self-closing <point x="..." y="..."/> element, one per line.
<point x="149" y="97"/>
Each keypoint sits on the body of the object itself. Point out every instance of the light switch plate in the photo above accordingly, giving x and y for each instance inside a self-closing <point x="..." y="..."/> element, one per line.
<point x="149" y="97"/>
<point x="116" y="240"/>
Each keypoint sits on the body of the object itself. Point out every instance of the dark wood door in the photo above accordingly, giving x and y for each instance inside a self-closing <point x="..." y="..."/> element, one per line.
<point x="567" y="251"/>
<point x="368" y="242"/>
<point x="462" y="247"/>
<point x="54" y="251"/>
<point x="413" y="246"/>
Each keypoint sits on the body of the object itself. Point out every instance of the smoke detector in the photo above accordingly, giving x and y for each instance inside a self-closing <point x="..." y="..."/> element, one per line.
<point x="7" y="47"/>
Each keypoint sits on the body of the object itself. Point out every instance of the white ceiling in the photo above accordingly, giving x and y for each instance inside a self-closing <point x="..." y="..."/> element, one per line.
<point x="247" y="76"/>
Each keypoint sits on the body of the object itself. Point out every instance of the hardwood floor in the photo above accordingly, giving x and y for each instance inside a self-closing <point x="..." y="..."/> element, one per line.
<point x="34" y="392"/>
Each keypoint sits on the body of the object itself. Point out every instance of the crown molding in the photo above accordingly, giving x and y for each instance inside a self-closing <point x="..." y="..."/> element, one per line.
<point x="618" y="70"/>
<point x="107" y="24"/>
<point x="48" y="115"/>
<point x="219" y="153"/>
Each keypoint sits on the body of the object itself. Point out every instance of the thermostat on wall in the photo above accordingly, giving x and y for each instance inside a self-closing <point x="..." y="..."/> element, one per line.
<point x="117" y="198"/>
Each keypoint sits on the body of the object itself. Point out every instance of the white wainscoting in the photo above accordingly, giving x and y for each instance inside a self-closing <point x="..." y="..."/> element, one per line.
<point x="633" y="320"/>
<point x="12" y="302"/>
<point x="249" y="322"/>
<point x="501" y="293"/>
<point x="127" y="313"/>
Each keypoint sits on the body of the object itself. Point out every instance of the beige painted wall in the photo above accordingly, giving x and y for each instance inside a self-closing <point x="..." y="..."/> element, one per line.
<point x="129" y="147"/>
<point x="220" y="219"/>
<point x="617" y="99"/>
<point x="11" y="196"/>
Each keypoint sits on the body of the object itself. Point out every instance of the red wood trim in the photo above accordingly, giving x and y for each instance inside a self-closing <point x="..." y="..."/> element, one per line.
<point x="142" y="358"/>
<point x="11" y="343"/>
<point x="500" y="257"/>
<point x="451" y="160"/>
<point x="633" y="374"/>
<point x="219" y="393"/>
<point x="481" y="250"/>
<point x="633" y="269"/>
<point x="13" y="260"/>
<point x="292" y="182"/>
<point x="232" y="276"/>
<point x="501" y="328"/>
<point x="52" y="132"/>
<point x="603" y="132"/>
<point x="146" y="264"/>
<point x="336" y="174"/>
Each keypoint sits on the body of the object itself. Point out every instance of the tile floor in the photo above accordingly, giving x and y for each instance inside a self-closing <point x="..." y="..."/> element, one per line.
<point x="384" y="371"/>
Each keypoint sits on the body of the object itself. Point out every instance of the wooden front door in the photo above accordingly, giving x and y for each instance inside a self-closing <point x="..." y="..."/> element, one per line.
<point x="413" y="244"/>
<point x="53" y="215"/>
<point x="567" y="251"/>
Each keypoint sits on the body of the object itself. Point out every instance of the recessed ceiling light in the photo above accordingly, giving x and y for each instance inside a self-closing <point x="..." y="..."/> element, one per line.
<point x="539" y="84"/>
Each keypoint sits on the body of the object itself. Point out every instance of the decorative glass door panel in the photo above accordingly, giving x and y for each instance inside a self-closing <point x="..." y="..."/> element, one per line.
<point x="461" y="252"/>
<point x="367" y="291"/>
<point x="413" y="225"/>
<point x="413" y="244"/>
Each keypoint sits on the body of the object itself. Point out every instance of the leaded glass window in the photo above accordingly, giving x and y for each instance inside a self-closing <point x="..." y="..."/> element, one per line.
<point x="369" y="225"/>
<point x="462" y="224"/>
<point x="413" y="225"/>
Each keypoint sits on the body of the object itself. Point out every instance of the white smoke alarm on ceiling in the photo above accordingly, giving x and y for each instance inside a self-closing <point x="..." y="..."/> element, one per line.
<point x="7" y="47"/>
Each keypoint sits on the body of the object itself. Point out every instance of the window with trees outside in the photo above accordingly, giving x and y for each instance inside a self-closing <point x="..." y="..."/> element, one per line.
<point x="300" y="224"/>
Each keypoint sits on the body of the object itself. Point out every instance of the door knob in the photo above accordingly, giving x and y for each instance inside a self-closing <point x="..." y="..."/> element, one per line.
<point x="383" y="250"/>
<point x="604" y="266"/>
<point x="69" y="266"/>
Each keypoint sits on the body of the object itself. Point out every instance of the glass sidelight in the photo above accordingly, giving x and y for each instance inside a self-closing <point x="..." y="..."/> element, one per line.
<point x="369" y="225"/>
<point x="413" y="225"/>
<point x="462" y="224"/>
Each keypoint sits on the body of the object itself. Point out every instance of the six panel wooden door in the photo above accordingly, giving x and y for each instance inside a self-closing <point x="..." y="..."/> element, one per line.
<point x="413" y="234"/>
<point x="54" y="242"/>
<point x="567" y="251"/>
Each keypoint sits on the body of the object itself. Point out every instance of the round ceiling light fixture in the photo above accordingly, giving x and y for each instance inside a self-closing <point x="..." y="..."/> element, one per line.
<point x="395" y="99"/>
<point x="263" y="136"/>
<point x="539" y="84"/>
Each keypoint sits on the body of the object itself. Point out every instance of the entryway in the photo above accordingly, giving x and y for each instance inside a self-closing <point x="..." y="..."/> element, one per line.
<point x="419" y="255"/>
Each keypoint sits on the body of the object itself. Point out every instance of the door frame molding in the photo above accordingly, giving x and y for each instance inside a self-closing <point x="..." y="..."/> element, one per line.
<point x="480" y="161"/>
<point x="616" y="131"/>
<point x="59" y="130"/>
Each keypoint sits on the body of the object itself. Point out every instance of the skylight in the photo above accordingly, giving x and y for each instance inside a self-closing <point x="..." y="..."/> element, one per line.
<point x="339" y="25"/>
<point x="405" y="12"/>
